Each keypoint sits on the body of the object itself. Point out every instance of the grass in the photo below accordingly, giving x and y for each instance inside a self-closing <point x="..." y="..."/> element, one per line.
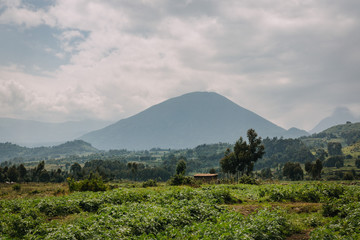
<point x="33" y="190"/>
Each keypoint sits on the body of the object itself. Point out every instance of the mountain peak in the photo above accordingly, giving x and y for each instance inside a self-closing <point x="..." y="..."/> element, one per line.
<point x="183" y="122"/>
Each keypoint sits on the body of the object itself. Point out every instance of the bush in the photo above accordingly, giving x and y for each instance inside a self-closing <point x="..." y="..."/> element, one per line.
<point x="150" y="183"/>
<point x="179" y="179"/>
<point x="348" y="176"/>
<point x="16" y="187"/>
<point x="248" y="180"/>
<point x="94" y="183"/>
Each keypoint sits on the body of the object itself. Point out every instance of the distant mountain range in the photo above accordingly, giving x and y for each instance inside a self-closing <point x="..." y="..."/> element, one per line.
<point x="34" y="133"/>
<point x="341" y="115"/>
<point x="185" y="122"/>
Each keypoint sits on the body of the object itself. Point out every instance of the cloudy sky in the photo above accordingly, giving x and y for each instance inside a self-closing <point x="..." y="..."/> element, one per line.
<point x="292" y="62"/>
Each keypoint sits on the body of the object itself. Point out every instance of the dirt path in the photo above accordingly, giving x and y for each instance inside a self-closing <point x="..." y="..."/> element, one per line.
<point x="300" y="236"/>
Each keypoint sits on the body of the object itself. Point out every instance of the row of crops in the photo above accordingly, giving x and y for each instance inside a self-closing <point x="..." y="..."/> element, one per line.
<point x="185" y="213"/>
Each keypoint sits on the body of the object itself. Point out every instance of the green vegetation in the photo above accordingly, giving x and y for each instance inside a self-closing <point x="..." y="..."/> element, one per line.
<point x="267" y="211"/>
<point x="120" y="194"/>
<point x="93" y="183"/>
<point x="279" y="151"/>
<point x="37" y="174"/>
<point x="293" y="171"/>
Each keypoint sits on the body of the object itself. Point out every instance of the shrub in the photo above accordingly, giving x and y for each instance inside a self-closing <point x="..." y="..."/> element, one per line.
<point x="179" y="179"/>
<point x="150" y="183"/>
<point x="348" y="176"/>
<point x="248" y="180"/>
<point x="16" y="187"/>
<point x="94" y="183"/>
<point x="330" y="209"/>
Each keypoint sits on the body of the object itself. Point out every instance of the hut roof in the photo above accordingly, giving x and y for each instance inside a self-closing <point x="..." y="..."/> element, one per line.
<point x="206" y="175"/>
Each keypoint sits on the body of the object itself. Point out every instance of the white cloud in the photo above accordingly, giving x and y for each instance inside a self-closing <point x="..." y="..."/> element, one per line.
<point x="282" y="60"/>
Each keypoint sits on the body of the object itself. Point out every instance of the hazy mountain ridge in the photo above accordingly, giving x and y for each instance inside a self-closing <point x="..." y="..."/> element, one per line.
<point x="341" y="115"/>
<point x="184" y="122"/>
<point x="35" y="133"/>
<point x="9" y="151"/>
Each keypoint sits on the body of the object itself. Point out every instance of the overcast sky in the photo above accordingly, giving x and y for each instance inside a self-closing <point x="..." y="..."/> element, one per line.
<point x="292" y="62"/>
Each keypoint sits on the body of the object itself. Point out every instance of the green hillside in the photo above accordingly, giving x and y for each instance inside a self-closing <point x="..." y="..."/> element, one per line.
<point x="347" y="134"/>
<point x="10" y="151"/>
<point x="353" y="150"/>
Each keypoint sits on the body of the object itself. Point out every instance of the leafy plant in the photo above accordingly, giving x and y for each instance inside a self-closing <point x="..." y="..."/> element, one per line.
<point x="94" y="183"/>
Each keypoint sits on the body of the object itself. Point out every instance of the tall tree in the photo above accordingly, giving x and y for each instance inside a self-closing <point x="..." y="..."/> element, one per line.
<point x="334" y="148"/>
<point x="256" y="149"/>
<point x="13" y="174"/>
<point x="293" y="171"/>
<point x="228" y="163"/>
<point x="316" y="169"/>
<point x="75" y="171"/>
<point x="181" y="167"/>
<point x="242" y="159"/>
<point x="22" y="171"/>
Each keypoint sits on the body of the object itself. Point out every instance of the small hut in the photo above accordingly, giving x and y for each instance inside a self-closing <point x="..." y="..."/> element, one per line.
<point x="206" y="177"/>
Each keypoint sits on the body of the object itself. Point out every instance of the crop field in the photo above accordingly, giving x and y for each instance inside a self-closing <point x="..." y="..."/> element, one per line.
<point x="302" y="210"/>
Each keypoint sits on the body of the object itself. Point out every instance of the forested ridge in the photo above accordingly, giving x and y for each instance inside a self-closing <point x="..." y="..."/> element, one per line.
<point x="330" y="147"/>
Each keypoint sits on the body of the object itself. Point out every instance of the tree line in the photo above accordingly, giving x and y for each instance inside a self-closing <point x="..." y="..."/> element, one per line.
<point x="19" y="173"/>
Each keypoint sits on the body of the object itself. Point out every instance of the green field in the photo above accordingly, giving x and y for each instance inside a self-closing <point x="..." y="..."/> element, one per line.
<point x="284" y="210"/>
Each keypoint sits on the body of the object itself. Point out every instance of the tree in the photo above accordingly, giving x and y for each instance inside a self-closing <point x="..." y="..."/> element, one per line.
<point x="266" y="173"/>
<point x="257" y="150"/>
<point x="293" y="171"/>
<point x="40" y="167"/>
<point x="228" y="162"/>
<point x="242" y="159"/>
<point x="133" y="166"/>
<point x="321" y="154"/>
<point x="44" y="176"/>
<point x="13" y="174"/>
<point x="75" y="170"/>
<point x="314" y="169"/>
<point x="334" y="148"/>
<point x="181" y="167"/>
<point x="22" y="172"/>
<point x="212" y="171"/>
<point x="308" y="167"/>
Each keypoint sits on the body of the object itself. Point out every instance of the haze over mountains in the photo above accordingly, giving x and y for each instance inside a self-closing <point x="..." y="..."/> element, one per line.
<point x="34" y="133"/>
<point x="340" y="116"/>
<point x="181" y="122"/>
<point x="184" y="122"/>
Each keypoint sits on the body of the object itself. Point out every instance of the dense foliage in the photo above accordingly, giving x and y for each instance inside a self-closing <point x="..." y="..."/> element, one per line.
<point x="186" y="213"/>
<point x="18" y="173"/>
<point x="114" y="169"/>
<point x="293" y="171"/>
<point x="280" y="151"/>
